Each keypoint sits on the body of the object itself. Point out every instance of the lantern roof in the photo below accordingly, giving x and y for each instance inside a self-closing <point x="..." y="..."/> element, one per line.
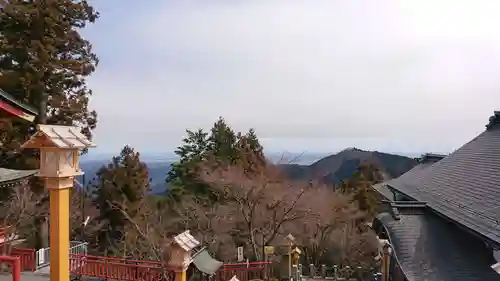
<point x="59" y="137"/>
<point x="186" y="241"/>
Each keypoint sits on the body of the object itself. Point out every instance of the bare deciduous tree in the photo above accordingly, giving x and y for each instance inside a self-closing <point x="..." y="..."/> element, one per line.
<point x="212" y="223"/>
<point x="147" y="232"/>
<point x="17" y="212"/>
<point x="261" y="200"/>
<point x="265" y="207"/>
<point x="335" y="230"/>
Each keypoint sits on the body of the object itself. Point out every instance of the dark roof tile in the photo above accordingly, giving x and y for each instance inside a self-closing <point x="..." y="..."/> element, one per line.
<point x="429" y="248"/>
<point x="464" y="186"/>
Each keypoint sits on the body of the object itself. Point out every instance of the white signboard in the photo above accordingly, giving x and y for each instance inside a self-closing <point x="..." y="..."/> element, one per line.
<point x="240" y="253"/>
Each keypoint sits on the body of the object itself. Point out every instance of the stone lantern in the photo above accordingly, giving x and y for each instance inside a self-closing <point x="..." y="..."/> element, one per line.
<point x="180" y="255"/>
<point x="59" y="147"/>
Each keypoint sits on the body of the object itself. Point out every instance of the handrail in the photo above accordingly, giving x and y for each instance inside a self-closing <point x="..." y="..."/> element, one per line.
<point x="15" y="264"/>
<point x="249" y="263"/>
<point x="119" y="259"/>
<point x="118" y="269"/>
<point x="135" y="270"/>
<point x="26" y="256"/>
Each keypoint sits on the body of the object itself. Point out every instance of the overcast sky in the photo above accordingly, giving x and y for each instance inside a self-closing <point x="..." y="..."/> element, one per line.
<point x="404" y="76"/>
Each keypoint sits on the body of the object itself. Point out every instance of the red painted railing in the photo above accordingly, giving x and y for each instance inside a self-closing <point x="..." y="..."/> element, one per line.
<point x="244" y="271"/>
<point x="119" y="269"/>
<point x="27" y="257"/>
<point x="135" y="270"/>
<point x="15" y="266"/>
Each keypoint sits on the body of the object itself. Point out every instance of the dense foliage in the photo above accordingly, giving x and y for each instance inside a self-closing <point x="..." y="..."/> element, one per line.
<point x="221" y="146"/>
<point x="44" y="62"/>
<point x="121" y="184"/>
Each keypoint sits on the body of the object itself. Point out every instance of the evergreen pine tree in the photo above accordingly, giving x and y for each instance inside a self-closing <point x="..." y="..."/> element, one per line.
<point x="222" y="142"/>
<point x="44" y="62"/>
<point x="122" y="184"/>
<point x="222" y="146"/>
<point x="360" y="186"/>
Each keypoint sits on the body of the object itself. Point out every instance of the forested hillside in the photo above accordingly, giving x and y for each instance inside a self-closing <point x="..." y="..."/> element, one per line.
<point x="337" y="167"/>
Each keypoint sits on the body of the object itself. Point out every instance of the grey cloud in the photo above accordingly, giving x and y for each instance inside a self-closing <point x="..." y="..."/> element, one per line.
<point x="365" y="72"/>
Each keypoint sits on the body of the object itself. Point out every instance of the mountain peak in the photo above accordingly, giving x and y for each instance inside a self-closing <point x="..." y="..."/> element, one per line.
<point x="334" y="168"/>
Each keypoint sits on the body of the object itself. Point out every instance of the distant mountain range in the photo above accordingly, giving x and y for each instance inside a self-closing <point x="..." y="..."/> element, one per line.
<point x="334" y="168"/>
<point x="330" y="169"/>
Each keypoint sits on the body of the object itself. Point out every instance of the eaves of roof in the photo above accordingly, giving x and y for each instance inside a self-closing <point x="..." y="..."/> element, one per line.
<point x="428" y="247"/>
<point x="11" y="99"/>
<point x="8" y="175"/>
<point x="383" y="190"/>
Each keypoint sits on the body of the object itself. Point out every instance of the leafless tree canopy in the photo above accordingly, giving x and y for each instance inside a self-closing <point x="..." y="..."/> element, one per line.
<point x="265" y="206"/>
<point x="255" y="206"/>
<point x="18" y="209"/>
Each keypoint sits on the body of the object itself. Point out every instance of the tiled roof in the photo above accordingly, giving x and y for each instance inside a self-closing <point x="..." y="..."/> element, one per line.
<point x="429" y="248"/>
<point x="464" y="186"/>
<point x="7" y="175"/>
<point x="384" y="187"/>
<point x="407" y="180"/>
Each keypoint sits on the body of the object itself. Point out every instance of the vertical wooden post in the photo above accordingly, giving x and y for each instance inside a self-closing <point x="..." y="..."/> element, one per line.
<point x="180" y="275"/>
<point x="265" y="265"/>
<point x="385" y="262"/>
<point x="59" y="232"/>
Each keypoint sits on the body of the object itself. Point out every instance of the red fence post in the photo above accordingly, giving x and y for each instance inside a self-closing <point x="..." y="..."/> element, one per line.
<point x="15" y="263"/>
<point x="16" y="269"/>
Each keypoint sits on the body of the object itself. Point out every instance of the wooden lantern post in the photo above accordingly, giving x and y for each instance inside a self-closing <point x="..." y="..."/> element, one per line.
<point x="291" y="241"/>
<point x="59" y="147"/>
<point x="180" y="257"/>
